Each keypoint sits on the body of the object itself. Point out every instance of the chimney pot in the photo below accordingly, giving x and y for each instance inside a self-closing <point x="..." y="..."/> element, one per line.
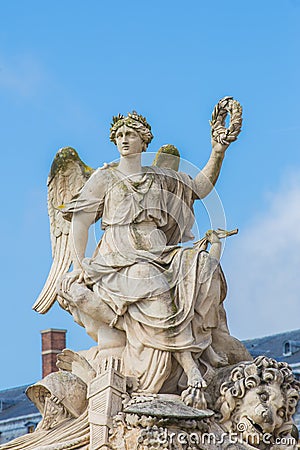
<point x="53" y="342"/>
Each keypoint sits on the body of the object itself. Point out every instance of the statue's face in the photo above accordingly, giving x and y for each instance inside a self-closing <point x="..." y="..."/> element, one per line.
<point x="128" y="141"/>
<point x="261" y="411"/>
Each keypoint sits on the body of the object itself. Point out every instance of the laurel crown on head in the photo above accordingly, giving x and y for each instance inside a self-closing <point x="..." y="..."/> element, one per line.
<point x="132" y="120"/>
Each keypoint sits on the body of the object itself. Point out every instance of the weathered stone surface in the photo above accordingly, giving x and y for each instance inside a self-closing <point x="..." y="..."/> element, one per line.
<point x="142" y="296"/>
<point x="168" y="409"/>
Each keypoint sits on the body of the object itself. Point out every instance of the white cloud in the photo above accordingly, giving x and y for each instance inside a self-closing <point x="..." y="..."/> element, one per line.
<point x="263" y="268"/>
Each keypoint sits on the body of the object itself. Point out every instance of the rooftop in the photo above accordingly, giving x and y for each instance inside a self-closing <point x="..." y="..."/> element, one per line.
<point x="282" y="347"/>
<point x="15" y="403"/>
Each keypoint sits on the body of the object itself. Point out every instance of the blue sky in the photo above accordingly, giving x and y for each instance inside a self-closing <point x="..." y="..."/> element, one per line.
<point x="67" y="67"/>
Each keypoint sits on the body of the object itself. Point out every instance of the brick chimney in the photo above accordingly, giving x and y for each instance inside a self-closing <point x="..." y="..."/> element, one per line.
<point x="53" y="342"/>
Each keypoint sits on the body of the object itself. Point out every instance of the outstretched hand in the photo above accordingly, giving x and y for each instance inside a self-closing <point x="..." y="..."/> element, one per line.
<point x="73" y="362"/>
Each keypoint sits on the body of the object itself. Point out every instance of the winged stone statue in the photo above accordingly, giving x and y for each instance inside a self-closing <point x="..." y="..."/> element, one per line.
<point x="142" y="294"/>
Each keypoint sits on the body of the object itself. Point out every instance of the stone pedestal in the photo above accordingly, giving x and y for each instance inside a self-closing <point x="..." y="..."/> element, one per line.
<point x="105" y="401"/>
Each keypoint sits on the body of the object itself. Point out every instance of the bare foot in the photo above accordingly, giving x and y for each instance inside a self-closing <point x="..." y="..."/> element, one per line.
<point x="194" y="397"/>
<point x="195" y="379"/>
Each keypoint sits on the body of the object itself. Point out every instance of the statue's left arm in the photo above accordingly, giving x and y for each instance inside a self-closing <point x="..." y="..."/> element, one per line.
<point x="206" y="179"/>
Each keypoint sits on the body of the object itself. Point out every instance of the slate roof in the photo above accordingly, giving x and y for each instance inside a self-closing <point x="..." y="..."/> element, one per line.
<point x="273" y="346"/>
<point x="14" y="403"/>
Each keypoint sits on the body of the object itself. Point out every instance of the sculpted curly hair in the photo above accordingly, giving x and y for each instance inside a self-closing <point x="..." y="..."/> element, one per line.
<point x="252" y="374"/>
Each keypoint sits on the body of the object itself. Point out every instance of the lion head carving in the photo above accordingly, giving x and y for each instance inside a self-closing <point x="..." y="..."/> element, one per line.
<point x="259" y="400"/>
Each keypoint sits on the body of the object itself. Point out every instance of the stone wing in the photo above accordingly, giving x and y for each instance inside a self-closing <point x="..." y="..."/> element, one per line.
<point x="167" y="157"/>
<point x="67" y="176"/>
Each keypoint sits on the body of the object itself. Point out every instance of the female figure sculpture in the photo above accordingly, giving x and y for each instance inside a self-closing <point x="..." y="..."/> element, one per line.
<point x="159" y="302"/>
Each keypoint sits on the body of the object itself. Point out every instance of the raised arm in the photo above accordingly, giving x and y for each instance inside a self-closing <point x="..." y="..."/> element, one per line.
<point x="206" y="179"/>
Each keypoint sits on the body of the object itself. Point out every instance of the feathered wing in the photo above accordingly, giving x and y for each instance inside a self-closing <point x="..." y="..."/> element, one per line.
<point x="167" y="157"/>
<point x="67" y="176"/>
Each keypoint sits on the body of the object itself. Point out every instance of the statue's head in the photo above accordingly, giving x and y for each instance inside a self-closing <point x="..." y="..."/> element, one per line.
<point x="259" y="399"/>
<point x="134" y="121"/>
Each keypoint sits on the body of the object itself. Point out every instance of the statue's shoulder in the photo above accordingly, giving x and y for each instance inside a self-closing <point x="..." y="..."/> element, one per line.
<point x="103" y="172"/>
<point x="108" y="167"/>
<point x="98" y="182"/>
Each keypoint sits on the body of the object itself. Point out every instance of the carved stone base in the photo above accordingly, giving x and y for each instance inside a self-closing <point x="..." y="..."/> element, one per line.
<point x="148" y="433"/>
<point x="251" y="407"/>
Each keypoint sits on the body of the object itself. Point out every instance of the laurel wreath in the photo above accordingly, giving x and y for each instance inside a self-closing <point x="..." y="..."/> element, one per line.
<point x="219" y="132"/>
